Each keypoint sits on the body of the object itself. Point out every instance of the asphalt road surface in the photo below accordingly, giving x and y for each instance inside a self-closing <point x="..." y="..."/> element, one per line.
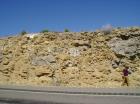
<point x="62" y="95"/>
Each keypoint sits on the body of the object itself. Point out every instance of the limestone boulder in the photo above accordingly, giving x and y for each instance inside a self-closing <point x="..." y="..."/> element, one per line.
<point x="128" y="48"/>
<point x="43" y="60"/>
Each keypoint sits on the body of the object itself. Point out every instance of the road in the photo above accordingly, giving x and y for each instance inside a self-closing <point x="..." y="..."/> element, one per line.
<point x="62" y="95"/>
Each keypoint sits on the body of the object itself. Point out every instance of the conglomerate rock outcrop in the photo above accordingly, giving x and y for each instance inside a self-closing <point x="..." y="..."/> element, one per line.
<point x="83" y="59"/>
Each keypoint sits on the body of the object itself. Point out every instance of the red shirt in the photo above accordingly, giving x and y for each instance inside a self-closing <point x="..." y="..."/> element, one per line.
<point x="125" y="72"/>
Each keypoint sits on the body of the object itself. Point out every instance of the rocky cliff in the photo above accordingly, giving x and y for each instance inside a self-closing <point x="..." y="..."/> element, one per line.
<point x="83" y="59"/>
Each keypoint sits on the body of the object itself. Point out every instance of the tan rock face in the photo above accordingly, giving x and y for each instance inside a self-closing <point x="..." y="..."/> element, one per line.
<point x="67" y="59"/>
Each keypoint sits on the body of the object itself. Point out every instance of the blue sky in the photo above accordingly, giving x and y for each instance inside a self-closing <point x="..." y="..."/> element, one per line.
<point x="76" y="15"/>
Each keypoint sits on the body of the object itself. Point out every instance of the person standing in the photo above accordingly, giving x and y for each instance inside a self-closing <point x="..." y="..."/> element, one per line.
<point x="125" y="76"/>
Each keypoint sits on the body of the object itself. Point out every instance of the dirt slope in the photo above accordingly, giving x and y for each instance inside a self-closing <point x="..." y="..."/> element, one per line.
<point x="84" y="59"/>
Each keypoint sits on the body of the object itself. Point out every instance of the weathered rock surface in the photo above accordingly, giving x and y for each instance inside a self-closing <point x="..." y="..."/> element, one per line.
<point x="84" y="59"/>
<point x="128" y="48"/>
<point x="43" y="60"/>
